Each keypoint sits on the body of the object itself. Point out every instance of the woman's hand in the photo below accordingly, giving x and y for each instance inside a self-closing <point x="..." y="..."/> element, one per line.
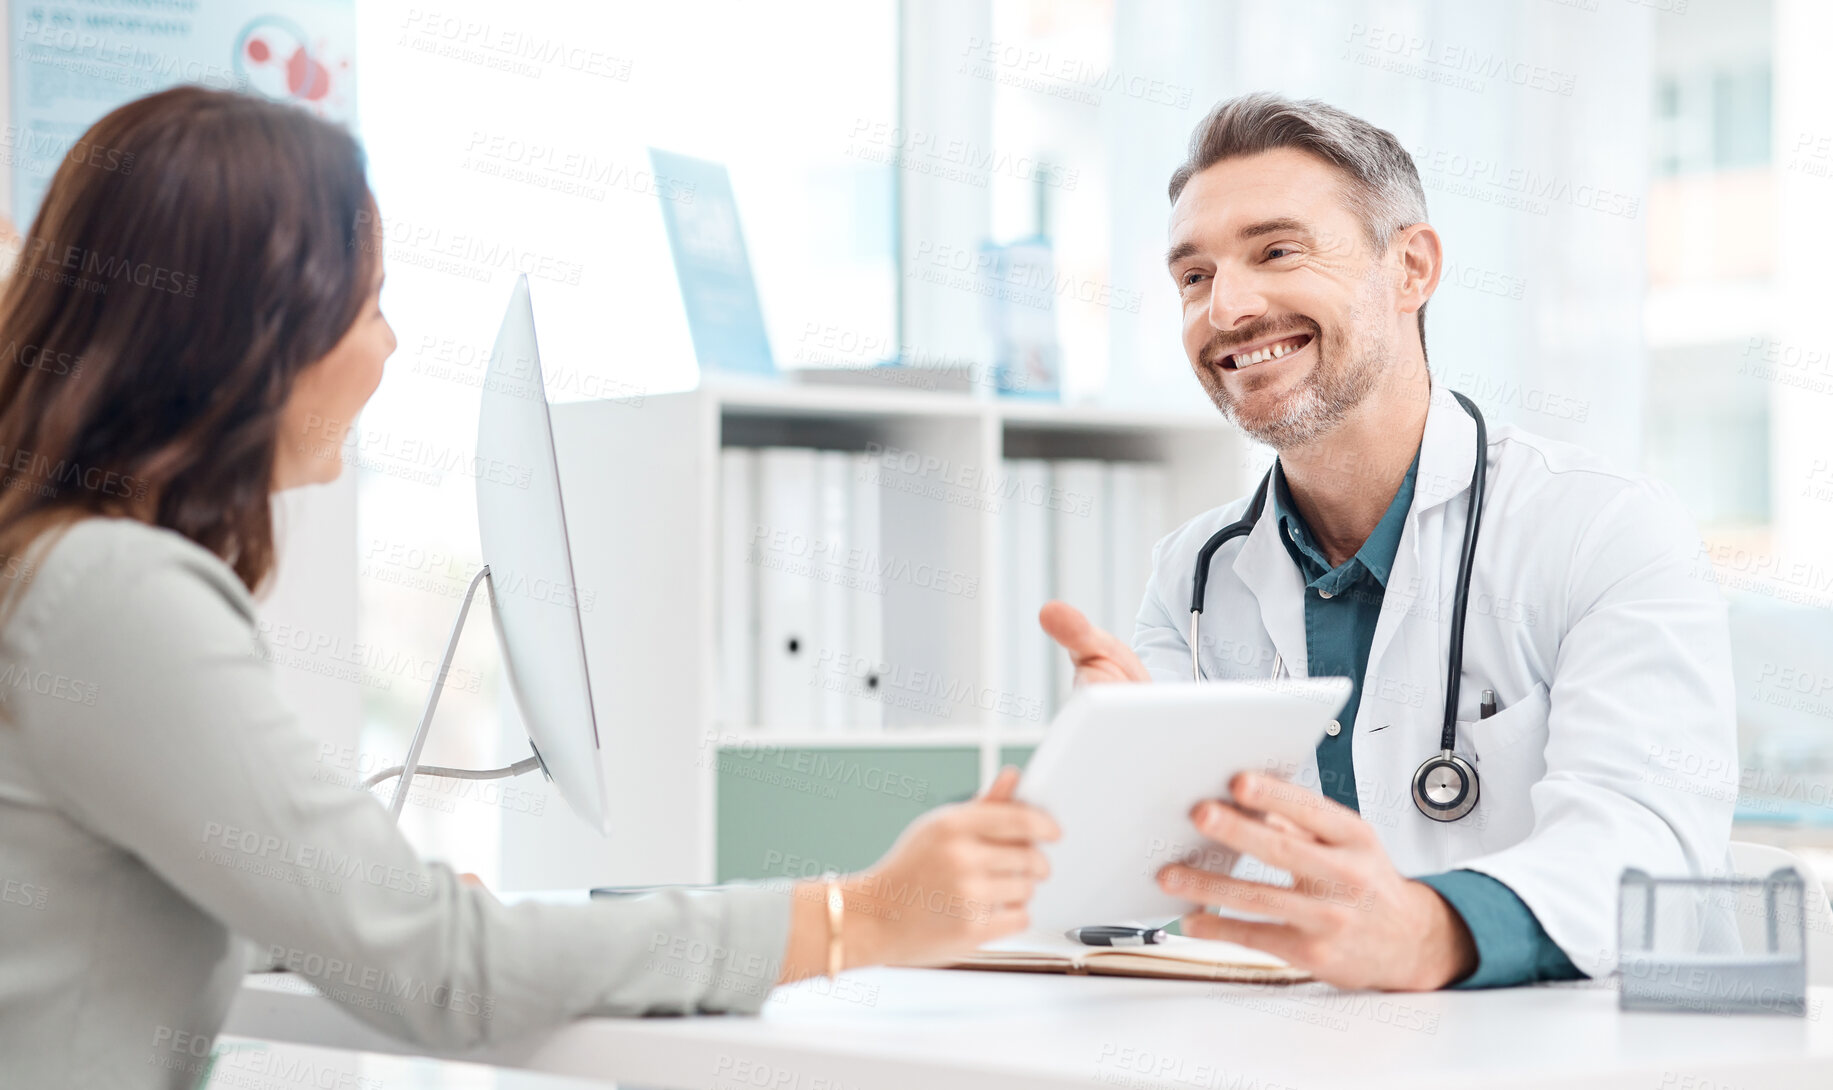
<point x="959" y="876"/>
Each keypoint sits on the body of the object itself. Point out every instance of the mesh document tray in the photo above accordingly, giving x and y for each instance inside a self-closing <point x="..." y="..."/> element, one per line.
<point x="1716" y="945"/>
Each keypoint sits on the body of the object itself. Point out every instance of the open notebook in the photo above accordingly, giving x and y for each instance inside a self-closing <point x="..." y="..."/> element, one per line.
<point x="1176" y="958"/>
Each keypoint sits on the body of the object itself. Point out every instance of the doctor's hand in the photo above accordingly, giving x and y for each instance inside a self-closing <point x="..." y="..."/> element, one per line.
<point x="1349" y="916"/>
<point x="1098" y="656"/>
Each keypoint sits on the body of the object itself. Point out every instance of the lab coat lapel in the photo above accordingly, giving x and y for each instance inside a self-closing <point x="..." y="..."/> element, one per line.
<point x="1424" y="573"/>
<point x="1267" y="570"/>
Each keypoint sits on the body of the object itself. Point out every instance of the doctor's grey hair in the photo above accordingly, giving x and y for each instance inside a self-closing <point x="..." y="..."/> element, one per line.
<point x="1382" y="183"/>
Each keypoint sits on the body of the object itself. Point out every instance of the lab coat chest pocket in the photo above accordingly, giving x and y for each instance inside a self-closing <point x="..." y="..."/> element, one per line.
<point x="1509" y="751"/>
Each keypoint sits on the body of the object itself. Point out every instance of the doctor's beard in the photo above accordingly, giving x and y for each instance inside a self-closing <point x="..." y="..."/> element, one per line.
<point x="1321" y="401"/>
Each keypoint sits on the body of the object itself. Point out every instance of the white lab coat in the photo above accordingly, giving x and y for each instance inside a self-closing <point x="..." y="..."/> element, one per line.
<point x="1593" y="615"/>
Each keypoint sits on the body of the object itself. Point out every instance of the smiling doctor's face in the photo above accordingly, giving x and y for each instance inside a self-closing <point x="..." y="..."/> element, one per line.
<point x="1291" y="315"/>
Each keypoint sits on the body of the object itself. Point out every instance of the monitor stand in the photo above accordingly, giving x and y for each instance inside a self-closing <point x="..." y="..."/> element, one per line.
<point x="411" y="766"/>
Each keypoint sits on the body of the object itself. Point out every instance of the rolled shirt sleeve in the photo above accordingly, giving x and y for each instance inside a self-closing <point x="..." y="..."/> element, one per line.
<point x="1512" y="947"/>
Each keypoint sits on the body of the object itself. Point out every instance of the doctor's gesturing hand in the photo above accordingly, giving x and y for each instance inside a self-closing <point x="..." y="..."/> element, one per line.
<point x="1350" y="917"/>
<point x="1098" y="656"/>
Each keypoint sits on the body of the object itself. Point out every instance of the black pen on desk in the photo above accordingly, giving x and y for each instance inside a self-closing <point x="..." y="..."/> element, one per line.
<point x="1116" y="936"/>
<point x="1487" y="707"/>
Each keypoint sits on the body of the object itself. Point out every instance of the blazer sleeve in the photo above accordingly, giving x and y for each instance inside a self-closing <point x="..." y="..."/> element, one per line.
<point x="187" y="758"/>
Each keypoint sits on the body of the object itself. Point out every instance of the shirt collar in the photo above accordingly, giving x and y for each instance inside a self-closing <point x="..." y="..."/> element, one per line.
<point x="1376" y="556"/>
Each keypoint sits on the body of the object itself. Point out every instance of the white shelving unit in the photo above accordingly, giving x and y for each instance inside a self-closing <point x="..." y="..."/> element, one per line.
<point x="641" y="481"/>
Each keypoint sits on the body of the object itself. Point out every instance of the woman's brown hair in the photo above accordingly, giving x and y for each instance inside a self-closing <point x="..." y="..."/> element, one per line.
<point x="196" y="250"/>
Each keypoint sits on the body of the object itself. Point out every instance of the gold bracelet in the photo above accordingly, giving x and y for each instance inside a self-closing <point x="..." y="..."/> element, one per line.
<point x="836" y="910"/>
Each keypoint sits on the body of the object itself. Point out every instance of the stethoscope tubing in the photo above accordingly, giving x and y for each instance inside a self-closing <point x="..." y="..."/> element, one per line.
<point x="1479" y="478"/>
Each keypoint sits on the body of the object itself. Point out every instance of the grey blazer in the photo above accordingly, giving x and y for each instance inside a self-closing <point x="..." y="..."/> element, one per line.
<point x="159" y="811"/>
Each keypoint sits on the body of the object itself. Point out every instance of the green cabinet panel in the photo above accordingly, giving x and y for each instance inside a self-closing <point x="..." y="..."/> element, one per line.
<point x="799" y="811"/>
<point x="1016" y="755"/>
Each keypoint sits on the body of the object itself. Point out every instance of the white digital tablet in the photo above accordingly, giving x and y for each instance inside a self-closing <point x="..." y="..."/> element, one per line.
<point x="1122" y="765"/>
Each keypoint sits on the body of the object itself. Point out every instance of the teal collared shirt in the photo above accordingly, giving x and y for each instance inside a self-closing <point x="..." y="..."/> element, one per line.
<point x="1342" y="605"/>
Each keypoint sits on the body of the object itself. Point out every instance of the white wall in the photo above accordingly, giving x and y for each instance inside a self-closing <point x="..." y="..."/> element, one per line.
<point x="1802" y="441"/>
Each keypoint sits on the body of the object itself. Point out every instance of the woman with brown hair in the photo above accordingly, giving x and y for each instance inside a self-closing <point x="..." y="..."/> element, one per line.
<point x="174" y="329"/>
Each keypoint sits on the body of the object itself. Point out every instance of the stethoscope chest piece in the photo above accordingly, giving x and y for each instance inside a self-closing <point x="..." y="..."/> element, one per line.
<point x="1445" y="787"/>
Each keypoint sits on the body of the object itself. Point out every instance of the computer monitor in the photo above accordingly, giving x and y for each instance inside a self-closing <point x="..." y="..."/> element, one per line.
<point x="528" y="567"/>
<point x="521" y="521"/>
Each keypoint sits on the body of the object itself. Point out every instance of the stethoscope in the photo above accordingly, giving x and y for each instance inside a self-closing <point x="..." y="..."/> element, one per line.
<point x="1445" y="787"/>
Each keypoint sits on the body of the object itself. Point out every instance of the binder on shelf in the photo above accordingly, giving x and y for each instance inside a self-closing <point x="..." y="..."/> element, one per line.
<point x="1135" y="522"/>
<point x="802" y="607"/>
<point x="833" y="649"/>
<point x="786" y="588"/>
<point x="1029" y="657"/>
<point x="866" y="708"/>
<point x="1079" y="518"/>
<point x="737" y="589"/>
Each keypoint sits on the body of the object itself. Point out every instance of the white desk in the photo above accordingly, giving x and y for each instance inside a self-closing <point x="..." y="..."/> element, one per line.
<point x="270" y="1065"/>
<point x="888" y="1029"/>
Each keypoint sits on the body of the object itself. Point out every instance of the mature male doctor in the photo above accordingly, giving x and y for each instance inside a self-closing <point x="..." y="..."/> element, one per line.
<point x="1299" y="246"/>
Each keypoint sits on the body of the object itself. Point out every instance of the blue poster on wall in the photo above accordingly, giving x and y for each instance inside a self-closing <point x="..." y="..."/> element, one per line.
<point x="712" y="265"/>
<point x="75" y="60"/>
